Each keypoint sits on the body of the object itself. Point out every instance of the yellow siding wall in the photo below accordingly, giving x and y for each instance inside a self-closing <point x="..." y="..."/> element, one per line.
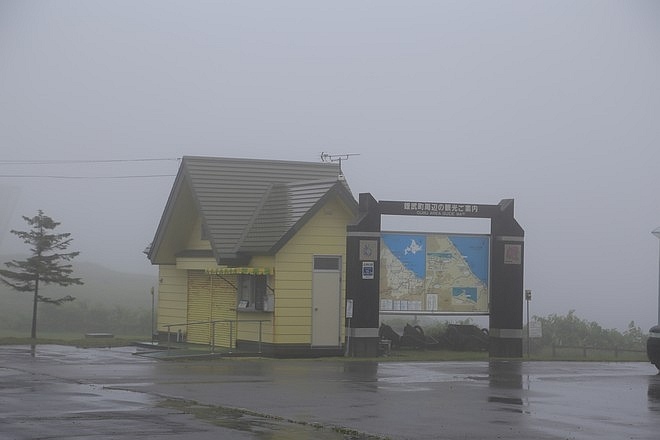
<point x="195" y="241"/>
<point x="188" y="294"/>
<point x="324" y="234"/>
<point x="172" y="297"/>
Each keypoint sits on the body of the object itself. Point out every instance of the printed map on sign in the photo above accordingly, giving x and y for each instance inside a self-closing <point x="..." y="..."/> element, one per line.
<point x="434" y="273"/>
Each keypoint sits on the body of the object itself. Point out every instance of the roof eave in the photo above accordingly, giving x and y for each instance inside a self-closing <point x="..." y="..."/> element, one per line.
<point x="165" y="217"/>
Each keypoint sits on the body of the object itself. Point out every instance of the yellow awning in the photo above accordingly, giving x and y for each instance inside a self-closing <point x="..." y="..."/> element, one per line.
<point x="241" y="270"/>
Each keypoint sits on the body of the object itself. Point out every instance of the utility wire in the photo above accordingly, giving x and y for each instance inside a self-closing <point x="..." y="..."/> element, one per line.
<point x="84" y="177"/>
<point x="82" y="161"/>
<point x="58" y="162"/>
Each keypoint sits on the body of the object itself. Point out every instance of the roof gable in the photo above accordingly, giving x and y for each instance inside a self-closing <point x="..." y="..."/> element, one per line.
<point x="286" y="209"/>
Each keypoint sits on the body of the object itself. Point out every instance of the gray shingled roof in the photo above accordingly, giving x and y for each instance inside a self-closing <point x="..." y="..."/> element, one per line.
<point x="284" y="208"/>
<point x="250" y="206"/>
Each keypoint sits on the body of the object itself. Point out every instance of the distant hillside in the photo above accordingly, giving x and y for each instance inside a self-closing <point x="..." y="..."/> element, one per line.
<point x="102" y="286"/>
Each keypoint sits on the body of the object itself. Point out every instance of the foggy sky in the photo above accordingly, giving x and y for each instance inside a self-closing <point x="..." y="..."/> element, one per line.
<point x="554" y="104"/>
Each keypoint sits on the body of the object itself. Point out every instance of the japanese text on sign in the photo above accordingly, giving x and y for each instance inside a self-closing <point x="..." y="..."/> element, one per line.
<point x="448" y="209"/>
<point x="437" y="209"/>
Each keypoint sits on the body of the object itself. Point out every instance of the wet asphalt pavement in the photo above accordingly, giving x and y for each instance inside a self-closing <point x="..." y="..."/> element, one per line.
<point x="65" y="392"/>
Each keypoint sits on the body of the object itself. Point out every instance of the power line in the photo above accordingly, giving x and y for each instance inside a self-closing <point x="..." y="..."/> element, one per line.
<point x="63" y="162"/>
<point x="83" y="161"/>
<point x="35" y="176"/>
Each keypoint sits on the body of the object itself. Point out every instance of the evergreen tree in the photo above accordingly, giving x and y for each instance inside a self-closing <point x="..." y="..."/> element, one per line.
<point x="48" y="264"/>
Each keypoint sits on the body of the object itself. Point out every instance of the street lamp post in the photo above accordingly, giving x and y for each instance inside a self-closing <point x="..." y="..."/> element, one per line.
<point x="656" y="232"/>
<point x="653" y="341"/>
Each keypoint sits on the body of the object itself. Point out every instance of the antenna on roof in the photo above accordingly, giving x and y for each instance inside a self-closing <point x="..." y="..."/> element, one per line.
<point x="327" y="157"/>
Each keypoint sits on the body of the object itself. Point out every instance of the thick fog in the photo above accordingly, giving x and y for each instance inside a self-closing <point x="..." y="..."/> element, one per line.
<point x="555" y="104"/>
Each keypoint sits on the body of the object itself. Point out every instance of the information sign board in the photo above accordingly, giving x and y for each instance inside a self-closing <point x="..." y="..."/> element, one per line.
<point x="434" y="273"/>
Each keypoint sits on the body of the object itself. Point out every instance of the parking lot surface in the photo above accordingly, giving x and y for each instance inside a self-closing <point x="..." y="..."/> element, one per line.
<point x="58" y="392"/>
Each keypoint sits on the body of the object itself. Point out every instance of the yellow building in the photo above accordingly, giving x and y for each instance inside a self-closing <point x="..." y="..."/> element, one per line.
<point x="251" y="255"/>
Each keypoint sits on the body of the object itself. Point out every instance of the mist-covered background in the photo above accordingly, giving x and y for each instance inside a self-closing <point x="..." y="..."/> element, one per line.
<point x="555" y="104"/>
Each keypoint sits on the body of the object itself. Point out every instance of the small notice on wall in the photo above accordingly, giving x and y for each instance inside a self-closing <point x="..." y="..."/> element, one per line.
<point x="535" y="329"/>
<point x="368" y="270"/>
<point x="512" y="254"/>
<point x="349" y="308"/>
<point x="368" y="250"/>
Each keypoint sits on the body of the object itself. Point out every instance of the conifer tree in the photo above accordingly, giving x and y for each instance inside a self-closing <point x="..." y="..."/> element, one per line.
<point x="48" y="264"/>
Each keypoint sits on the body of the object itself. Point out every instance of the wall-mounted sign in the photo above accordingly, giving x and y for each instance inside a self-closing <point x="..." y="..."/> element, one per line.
<point x="535" y="329"/>
<point x="368" y="268"/>
<point x="434" y="273"/>
<point x="437" y="209"/>
<point x="349" y="308"/>
<point x="368" y="250"/>
<point x="512" y="254"/>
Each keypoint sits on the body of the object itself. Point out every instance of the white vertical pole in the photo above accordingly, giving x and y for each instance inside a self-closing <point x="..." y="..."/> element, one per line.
<point x="659" y="282"/>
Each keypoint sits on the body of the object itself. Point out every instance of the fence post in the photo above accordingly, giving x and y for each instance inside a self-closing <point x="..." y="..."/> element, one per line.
<point x="168" y="337"/>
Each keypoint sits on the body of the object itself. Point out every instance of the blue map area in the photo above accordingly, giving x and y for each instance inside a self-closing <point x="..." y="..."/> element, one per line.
<point x="476" y="250"/>
<point x="410" y="250"/>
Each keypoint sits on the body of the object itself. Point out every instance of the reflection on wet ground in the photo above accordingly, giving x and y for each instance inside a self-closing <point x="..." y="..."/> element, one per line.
<point x="654" y="393"/>
<point x="63" y="392"/>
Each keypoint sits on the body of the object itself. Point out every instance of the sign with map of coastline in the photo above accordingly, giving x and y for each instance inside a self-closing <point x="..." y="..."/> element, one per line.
<point x="434" y="273"/>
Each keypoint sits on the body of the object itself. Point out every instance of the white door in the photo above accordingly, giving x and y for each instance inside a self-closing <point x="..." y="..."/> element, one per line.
<point x="326" y="301"/>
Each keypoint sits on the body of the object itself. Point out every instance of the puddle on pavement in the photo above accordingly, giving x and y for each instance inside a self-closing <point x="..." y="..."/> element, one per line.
<point x="99" y="398"/>
<point x="264" y="426"/>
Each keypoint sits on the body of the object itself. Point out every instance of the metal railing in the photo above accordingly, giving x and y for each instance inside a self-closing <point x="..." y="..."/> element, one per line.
<point x="585" y="348"/>
<point x="233" y="332"/>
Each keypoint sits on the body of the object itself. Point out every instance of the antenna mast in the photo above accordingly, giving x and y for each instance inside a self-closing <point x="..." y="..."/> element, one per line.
<point x="327" y="157"/>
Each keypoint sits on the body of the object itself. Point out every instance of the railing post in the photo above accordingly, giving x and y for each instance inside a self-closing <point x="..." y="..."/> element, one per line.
<point x="212" y="336"/>
<point x="231" y="333"/>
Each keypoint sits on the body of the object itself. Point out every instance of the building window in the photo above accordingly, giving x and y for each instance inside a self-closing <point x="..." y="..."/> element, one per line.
<point x="252" y="293"/>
